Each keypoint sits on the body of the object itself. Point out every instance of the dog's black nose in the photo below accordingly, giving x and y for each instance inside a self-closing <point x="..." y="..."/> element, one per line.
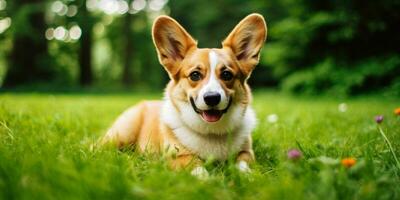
<point x="212" y="98"/>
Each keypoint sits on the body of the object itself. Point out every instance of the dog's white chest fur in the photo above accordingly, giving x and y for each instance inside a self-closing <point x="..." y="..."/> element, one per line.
<point x="217" y="140"/>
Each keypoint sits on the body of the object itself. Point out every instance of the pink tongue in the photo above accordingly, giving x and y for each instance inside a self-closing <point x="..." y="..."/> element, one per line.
<point x="211" y="116"/>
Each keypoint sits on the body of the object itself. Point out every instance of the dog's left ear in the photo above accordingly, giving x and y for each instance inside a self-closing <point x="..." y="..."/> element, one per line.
<point x="246" y="41"/>
<point x="172" y="42"/>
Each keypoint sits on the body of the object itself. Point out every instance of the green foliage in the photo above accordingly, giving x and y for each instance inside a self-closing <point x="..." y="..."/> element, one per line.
<point x="46" y="152"/>
<point x="329" y="77"/>
<point x="334" y="47"/>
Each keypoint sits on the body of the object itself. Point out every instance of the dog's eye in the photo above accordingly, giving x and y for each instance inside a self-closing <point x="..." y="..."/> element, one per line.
<point x="195" y="76"/>
<point x="226" y="75"/>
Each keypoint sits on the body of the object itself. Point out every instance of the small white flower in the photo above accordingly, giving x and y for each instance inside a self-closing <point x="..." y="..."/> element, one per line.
<point x="272" y="118"/>
<point x="242" y="166"/>
<point x="342" y="107"/>
<point x="200" y="172"/>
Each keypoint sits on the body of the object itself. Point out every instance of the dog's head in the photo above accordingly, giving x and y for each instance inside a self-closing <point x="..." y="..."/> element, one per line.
<point x="208" y="86"/>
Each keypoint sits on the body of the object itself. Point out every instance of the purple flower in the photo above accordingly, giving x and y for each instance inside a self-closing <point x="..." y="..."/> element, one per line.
<point x="294" y="154"/>
<point x="379" y="119"/>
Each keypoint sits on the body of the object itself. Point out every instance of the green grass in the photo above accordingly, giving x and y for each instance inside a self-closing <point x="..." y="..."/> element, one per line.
<point x="45" y="152"/>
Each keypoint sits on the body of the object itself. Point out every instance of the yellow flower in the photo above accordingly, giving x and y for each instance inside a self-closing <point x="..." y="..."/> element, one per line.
<point x="397" y="111"/>
<point x="348" y="162"/>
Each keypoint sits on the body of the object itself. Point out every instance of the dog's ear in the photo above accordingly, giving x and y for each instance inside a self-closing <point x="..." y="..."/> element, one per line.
<point x="246" y="41"/>
<point x="172" y="43"/>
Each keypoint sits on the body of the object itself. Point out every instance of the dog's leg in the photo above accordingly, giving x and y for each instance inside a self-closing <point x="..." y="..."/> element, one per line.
<point x="184" y="161"/>
<point x="125" y="129"/>
<point x="190" y="161"/>
<point x="243" y="160"/>
<point x="245" y="157"/>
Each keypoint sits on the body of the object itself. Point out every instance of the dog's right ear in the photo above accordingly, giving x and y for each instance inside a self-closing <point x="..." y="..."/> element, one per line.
<point x="246" y="41"/>
<point x="172" y="43"/>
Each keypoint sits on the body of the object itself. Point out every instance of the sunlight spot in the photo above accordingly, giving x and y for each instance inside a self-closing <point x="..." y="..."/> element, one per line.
<point x="5" y="24"/>
<point x="91" y="4"/>
<point x="49" y="33"/>
<point x="3" y="5"/>
<point x="99" y="28"/>
<point x="342" y="107"/>
<point x="272" y="118"/>
<point x="75" y="32"/>
<point x="59" y="8"/>
<point x="137" y="5"/>
<point x="123" y="7"/>
<point x="107" y="20"/>
<point x="157" y="5"/>
<point x="60" y="33"/>
<point x="63" y="10"/>
<point x="108" y="6"/>
<point x="72" y="10"/>
<point x="56" y="6"/>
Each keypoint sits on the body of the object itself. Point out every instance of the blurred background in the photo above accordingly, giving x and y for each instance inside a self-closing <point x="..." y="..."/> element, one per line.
<point x="333" y="47"/>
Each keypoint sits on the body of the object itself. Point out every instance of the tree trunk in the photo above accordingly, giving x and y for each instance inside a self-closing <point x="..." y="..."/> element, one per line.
<point x="29" y="61"/>
<point x="85" y="52"/>
<point x="127" y="78"/>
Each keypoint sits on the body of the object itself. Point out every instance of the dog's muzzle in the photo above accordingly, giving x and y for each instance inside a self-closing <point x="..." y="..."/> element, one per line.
<point x="211" y="115"/>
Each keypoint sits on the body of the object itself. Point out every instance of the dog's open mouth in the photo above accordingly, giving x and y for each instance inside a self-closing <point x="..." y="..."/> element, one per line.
<point x="211" y="115"/>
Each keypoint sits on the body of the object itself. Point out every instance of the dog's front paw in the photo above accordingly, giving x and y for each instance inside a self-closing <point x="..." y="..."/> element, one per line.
<point x="200" y="172"/>
<point x="242" y="166"/>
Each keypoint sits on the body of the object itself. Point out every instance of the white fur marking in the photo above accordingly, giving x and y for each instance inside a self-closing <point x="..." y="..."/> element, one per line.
<point x="217" y="140"/>
<point x="213" y="85"/>
<point x="200" y="172"/>
<point x="213" y="61"/>
<point x="243" y="166"/>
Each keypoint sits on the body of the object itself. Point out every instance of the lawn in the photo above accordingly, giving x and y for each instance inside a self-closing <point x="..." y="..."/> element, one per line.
<point x="45" y="151"/>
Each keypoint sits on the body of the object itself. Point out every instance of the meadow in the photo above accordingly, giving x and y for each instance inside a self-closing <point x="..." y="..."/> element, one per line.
<point x="46" y="151"/>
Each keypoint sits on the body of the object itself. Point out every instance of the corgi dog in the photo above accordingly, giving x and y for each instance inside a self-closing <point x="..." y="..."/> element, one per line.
<point x="206" y="111"/>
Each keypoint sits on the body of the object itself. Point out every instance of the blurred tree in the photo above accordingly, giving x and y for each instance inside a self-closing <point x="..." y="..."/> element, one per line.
<point x="214" y="23"/>
<point x="128" y="49"/>
<point x="129" y="36"/>
<point x="339" y="47"/>
<point x="29" y="61"/>
<point x="86" y="22"/>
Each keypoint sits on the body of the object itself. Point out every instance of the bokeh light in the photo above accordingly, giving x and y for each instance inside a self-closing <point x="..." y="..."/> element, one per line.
<point x="137" y="5"/>
<point x="60" y="33"/>
<point x="5" y="24"/>
<point x="157" y="5"/>
<point x="91" y="4"/>
<point x="72" y="10"/>
<point x="3" y="4"/>
<point x="49" y="34"/>
<point x="59" y="8"/>
<point x="123" y="7"/>
<point x="75" y="32"/>
<point x="112" y="7"/>
<point x="108" y="6"/>
<point x="99" y="28"/>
